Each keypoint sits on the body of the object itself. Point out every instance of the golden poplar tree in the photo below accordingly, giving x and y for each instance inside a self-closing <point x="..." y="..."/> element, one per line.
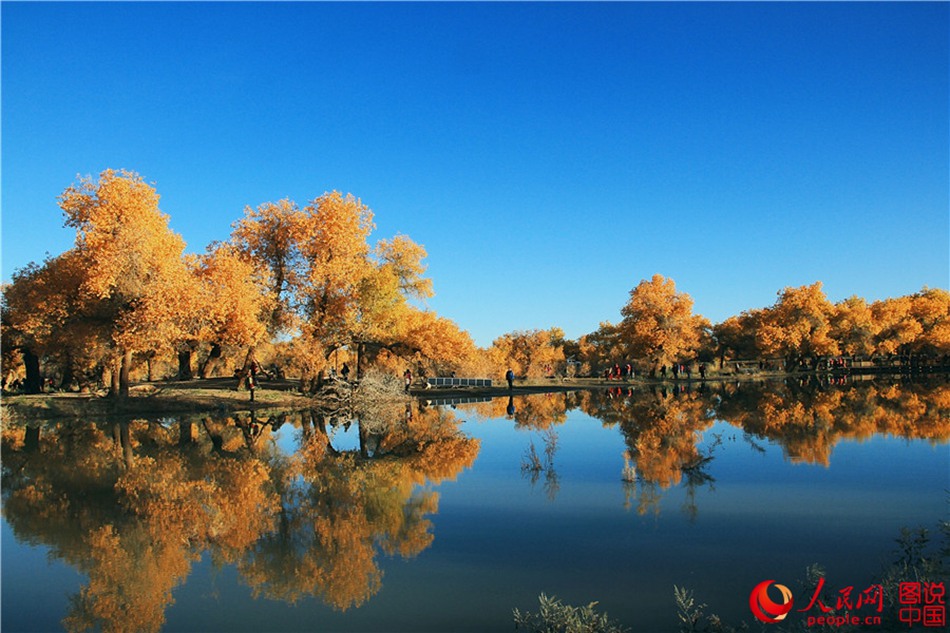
<point x="799" y="325"/>
<point x="659" y="326"/>
<point x="439" y="345"/>
<point x="267" y="237"/>
<point x="132" y="261"/>
<point x="44" y="315"/>
<point x="235" y="306"/>
<point x="599" y="349"/>
<point x="852" y="326"/>
<point x="931" y="308"/>
<point x="332" y="237"/>
<point x="530" y="354"/>
<point x="735" y="337"/>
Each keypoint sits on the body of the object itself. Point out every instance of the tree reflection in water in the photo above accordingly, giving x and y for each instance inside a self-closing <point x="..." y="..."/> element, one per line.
<point x="134" y="504"/>
<point x="663" y="425"/>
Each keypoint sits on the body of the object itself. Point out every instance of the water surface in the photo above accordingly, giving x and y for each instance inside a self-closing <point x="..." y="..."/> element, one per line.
<point x="437" y="518"/>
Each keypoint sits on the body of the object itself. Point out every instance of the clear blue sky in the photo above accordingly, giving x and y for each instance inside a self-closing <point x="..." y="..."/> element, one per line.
<point x="548" y="156"/>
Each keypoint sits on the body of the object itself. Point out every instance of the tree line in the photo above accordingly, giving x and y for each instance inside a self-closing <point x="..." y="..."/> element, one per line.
<point x="659" y="329"/>
<point x="294" y="283"/>
<point x="301" y="290"/>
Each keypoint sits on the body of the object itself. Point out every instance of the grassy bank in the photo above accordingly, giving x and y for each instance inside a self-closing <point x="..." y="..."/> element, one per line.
<point x="154" y="399"/>
<point x="220" y="394"/>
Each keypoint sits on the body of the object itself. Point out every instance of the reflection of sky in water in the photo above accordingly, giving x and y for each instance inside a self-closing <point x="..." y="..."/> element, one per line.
<point x="343" y="437"/>
<point x="33" y="579"/>
<point x="501" y="540"/>
<point x="762" y="517"/>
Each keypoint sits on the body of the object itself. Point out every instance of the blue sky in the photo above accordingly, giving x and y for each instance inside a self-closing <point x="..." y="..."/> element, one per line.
<point x="548" y="156"/>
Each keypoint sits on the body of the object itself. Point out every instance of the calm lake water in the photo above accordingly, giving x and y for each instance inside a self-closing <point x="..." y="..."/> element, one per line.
<point x="446" y="517"/>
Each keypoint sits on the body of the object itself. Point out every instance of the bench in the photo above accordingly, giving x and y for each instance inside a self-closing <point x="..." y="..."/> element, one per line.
<point x="458" y="382"/>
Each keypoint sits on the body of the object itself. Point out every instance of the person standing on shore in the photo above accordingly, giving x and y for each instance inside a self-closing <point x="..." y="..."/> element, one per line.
<point x="510" y="377"/>
<point x="408" y="378"/>
<point x="252" y="378"/>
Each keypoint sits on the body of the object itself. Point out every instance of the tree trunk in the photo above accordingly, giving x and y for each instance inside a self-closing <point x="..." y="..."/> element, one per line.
<point x="246" y="369"/>
<point x="184" y="365"/>
<point x="31" y="442"/>
<point x="126" y="441"/>
<point x="69" y="374"/>
<point x="114" y="379"/>
<point x="310" y="384"/>
<point x="217" y="441"/>
<point x="320" y="428"/>
<point x="363" y="435"/>
<point x="83" y="382"/>
<point x="187" y="432"/>
<point x="34" y="381"/>
<point x="124" y="374"/>
<point x="207" y="367"/>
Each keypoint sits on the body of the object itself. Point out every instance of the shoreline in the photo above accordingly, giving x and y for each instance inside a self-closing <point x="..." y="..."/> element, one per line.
<point x="158" y="399"/>
<point x="553" y="385"/>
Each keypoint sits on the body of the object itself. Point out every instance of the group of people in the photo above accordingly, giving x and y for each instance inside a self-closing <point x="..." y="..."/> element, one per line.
<point x="683" y="369"/>
<point x="618" y="372"/>
<point x="626" y="372"/>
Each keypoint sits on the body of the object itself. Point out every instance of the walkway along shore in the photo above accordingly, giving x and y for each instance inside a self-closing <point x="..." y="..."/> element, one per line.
<point x="549" y="385"/>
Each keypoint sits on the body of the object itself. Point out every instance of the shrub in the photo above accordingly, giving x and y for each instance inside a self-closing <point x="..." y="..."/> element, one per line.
<point x="556" y="617"/>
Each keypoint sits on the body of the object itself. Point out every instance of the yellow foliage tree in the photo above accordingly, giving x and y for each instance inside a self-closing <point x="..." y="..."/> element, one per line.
<point x="438" y="345"/>
<point x="132" y="261"/>
<point x="659" y="326"/>
<point x="895" y="327"/>
<point x="529" y="354"/>
<point x="735" y="337"/>
<point x="852" y="326"/>
<point x="235" y="306"/>
<point x="404" y="258"/>
<point x="267" y="236"/>
<point x="931" y="308"/>
<point x="599" y="349"/>
<point x="799" y="325"/>
<point x="332" y="237"/>
<point x="43" y="315"/>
